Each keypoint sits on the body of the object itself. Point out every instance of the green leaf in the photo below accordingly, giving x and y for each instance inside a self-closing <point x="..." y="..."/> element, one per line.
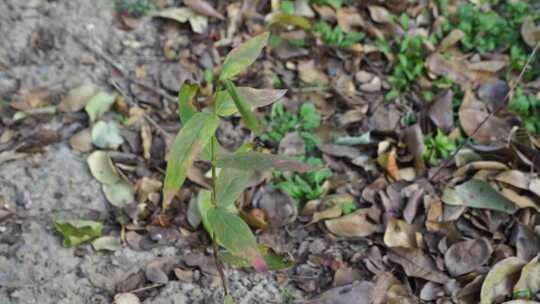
<point x="260" y="161"/>
<point x="204" y="201"/>
<point x="256" y="98"/>
<point x="294" y="20"/>
<point x="231" y="232"/>
<point x="186" y="109"/>
<point x="478" y="194"/>
<point x="187" y="145"/>
<point x="228" y="300"/>
<point x="243" y="56"/>
<point x="99" y="105"/>
<point x="230" y="184"/>
<point x="76" y="232"/>
<point x="243" y="107"/>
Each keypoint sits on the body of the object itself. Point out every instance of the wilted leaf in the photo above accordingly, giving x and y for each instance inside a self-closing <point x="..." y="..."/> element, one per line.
<point x="76" y="232"/>
<point x="243" y="107"/>
<point x="466" y="256"/>
<point x="106" y="135"/>
<point x="256" y="98"/>
<point x="243" y="56"/>
<point x="119" y="194"/>
<point x="417" y="264"/>
<point x="294" y="20"/>
<point x="530" y="278"/>
<point x="360" y="223"/>
<point x="102" y="168"/>
<point x="259" y="161"/>
<point x="478" y="194"/>
<point x="189" y="142"/>
<point x="186" y="109"/>
<point x="204" y="8"/>
<point x="99" y="105"/>
<point x="109" y="243"/>
<point x="500" y="279"/>
<point x="231" y="232"/>
<point x="400" y="234"/>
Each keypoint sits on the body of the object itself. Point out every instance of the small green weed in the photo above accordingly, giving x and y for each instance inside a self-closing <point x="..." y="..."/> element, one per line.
<point x="438" y="148"/>
<point x="282" y="122"/>
<point x="337" y="36"/>
<point x="528" y="108"/>
<point x="410" y="64"/>
<point x="133" y="8"/>
<point x="305" y="186"/>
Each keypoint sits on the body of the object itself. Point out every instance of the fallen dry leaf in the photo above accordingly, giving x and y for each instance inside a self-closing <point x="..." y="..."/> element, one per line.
<point x="500" y="280"/>
<point x="466" y="256"/>
<point x="400" y="234"/>
<point x="360" y="223"/>
<point x="417" y="264"/>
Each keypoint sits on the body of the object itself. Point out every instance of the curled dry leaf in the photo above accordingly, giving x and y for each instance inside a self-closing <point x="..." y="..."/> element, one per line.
<point x="400" y="234"/>
<point x="417" y="264"/>
<point x="332" y="207"/>
<point x="414" y="139"/>
<point x="472" y="112"/>
<point x="500" y="280"/>
<point x="360" y="223"/>
<point x="466" y="256"/>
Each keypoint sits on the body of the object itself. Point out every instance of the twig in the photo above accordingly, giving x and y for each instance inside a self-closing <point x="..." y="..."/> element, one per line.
<point x="498" y="109"/>
<point x="146" y="288"/>
<point x="124" y="73"/>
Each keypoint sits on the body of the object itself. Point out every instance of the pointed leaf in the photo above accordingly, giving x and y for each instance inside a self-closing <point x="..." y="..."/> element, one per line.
<point x="243" y="56"/>
<point x="204" y="202"/>
<point x="230" y="184"/>
<point x="186" y="109"/>
<point x="478" y="194"/>
<point x="189" y="142"/>
<point x="231" y="232"/>
<point x="260" y="161"/>
<point x="256" y="98"/>
<point x="243" y="107"/>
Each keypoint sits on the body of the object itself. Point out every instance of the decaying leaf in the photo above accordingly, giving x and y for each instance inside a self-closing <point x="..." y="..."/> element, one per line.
<point x="466" y="256"/>
<point x="473" y="112"/>
<point x="360" y="223"/>
<point x="119" y="194"/>
<point x="441" y="112"/>
<point x="77" y="98"/>
<point x="417" y="264"/>
<point x="500" y="280"/>
<point x="530" y="32"/>
<point x="198" y="23"/>
<point x="76" y="232"/>
<point x="400" y="234"/>
<point x="106" y="135"/>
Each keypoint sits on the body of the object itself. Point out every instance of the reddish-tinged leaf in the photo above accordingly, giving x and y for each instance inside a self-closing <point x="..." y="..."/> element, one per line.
<point x="260" y="161"/>
<point x="203" y="8"/>
<point x="189" y="142"/>
<point x="243" y="107"/>
<point x="186" y="109"/>
<point x="243" y="56"/>
<point x="231" y="232"/>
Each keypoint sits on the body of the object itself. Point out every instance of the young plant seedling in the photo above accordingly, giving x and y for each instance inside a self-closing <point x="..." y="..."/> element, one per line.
<point x="197" y="140"/>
